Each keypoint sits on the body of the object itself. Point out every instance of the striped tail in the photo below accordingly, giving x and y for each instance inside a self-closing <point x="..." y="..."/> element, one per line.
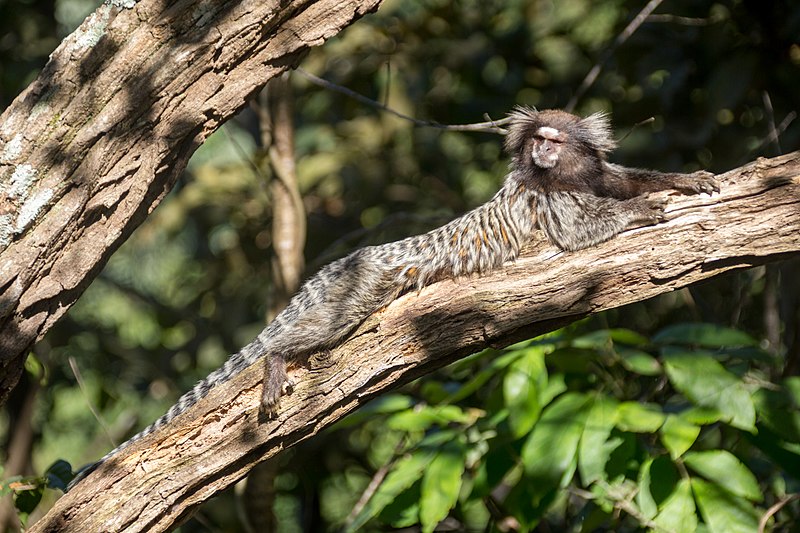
<point x="235" y="364"/>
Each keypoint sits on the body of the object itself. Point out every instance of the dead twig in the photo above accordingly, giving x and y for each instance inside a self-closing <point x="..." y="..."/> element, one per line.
<point x="492" y="126"/>
<point x="591" y="77"/>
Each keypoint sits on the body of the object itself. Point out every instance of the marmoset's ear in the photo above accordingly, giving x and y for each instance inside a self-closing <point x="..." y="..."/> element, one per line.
<point x="595" y="131"/>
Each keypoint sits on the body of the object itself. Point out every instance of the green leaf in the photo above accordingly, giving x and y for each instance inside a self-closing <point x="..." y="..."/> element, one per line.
<point x="26" y="500"/>
<point x="549" y="454"/>
<point x="403" y="475"/>
<point x="704" y="381"/>
<point x="725" y="469"/>
<point x="440" y="486"/>
<point x="527" y="502"/>
<point x="498" y="363"/>
<point x="639" y="361"/>
<point x="792" y="386"/>
<point x="678" y="435"/>
<point x="623" y="455"/>
<point x="779" y="410"/>
<point x="703" y="335"/>
<point x="629" y="337"/>
<point x="595" y="448"/>
<point x="603" y="339"/>
<point x="784" y="454"/>
<point x="657" y="479"/>
<point x="599" y="340"/>
<point x="639" y="418"/>
<point x="751" y="354"/>
<point x="434" y="392"/>
<point x="596" y="519"/>
<point x="421" y="419"/>
<point x="492" y="469"/>
<point x="58" y="475"/>
<point x="403" y="510"/>
<point x="722" y="511"/>
<point x="35" y="368"/>
<point x="678" y="513"/>
<point x="391" y="403"/>
<point x="555" y="386"/>
<point x="6" y="485"/>
<point x="701" y="416"/>
<point x="572" y="360"/>
<point x="644" y="498"/>
<point x="524" y="382"/>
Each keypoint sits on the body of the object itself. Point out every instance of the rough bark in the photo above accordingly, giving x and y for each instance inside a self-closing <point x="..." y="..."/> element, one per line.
<point x="94" y="144"/>
<point x="155" y="483"/>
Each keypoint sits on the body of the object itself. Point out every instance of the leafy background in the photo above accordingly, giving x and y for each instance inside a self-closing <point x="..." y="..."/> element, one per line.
<point x="679" y="413"/>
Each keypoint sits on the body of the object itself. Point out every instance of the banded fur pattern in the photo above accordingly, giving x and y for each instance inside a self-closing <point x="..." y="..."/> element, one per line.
<point x="345" y="292"/>
<point x="560" y="182"/>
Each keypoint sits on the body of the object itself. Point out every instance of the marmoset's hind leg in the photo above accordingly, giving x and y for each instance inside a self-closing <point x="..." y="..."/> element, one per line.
<point x="320" y="328"/>
<point x="275" y="380"/>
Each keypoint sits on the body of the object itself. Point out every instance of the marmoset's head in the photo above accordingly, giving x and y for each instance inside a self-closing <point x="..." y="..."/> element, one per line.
<point x="553" y="138"/>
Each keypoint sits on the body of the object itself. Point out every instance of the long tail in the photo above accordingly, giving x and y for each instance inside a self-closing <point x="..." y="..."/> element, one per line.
<point x="235" y="364"/>
<point x="343" y="293"/>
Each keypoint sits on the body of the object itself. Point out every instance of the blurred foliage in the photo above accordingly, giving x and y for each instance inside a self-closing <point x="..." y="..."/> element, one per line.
<point x="574" y="427"/>
<point x="632" y="419"/>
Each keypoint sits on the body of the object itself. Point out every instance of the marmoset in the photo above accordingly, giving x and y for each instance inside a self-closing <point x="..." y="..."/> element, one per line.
<point x="559" y="182"/>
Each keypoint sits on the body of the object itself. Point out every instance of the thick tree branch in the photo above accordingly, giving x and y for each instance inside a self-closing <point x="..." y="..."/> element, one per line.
<point x="94" y="144"/>
<point x="158" y="481"/>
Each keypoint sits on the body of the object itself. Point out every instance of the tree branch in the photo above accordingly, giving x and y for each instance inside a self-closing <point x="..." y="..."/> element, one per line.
<point x="156" y="483"/>
<point x="95" y="143"/>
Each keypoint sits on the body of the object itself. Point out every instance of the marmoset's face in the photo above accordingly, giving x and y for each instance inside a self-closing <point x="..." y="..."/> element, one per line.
<point x="546" y="147"/>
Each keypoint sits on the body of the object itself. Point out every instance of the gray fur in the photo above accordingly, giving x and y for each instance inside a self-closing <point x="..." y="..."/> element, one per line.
<point x="581" y="201"/>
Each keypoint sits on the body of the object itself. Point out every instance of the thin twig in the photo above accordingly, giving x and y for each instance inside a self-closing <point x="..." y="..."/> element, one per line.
<point x="686" y="21"/>
<point x="492" y="126"/>
<point x="762" y="524"/>
<point x="640" y="123"/>
<point x="622" y="502"/>
<point x="621" y="38"/>
<point x="376" y="481"/>
<point x="773" y="133"/>
<point x="82" y="386"/>
<point x="388" y="84"/>
<point x="246" y="157"/>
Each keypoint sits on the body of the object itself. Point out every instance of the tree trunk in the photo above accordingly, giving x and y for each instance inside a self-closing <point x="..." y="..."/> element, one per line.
<point x="156" y="483"/>
<point x="93" y="145"/>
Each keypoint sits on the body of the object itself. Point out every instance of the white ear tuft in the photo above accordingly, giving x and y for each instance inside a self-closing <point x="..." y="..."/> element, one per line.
<point x="522" y="119"/>
<point x="522" y="112"/>
<point x="597" y="131"/>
